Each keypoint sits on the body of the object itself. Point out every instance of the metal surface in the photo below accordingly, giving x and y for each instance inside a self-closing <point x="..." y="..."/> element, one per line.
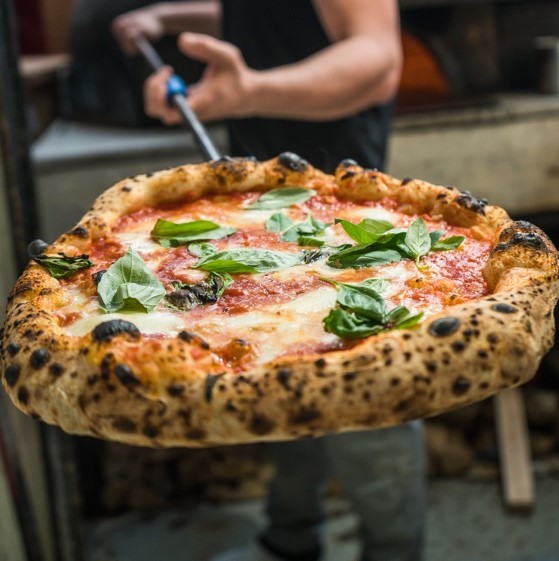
<point x="14" y="141"/>
<point x="203" y="141"/>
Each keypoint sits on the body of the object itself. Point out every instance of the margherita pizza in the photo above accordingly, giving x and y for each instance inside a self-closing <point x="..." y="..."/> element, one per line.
<point x="237" y="301"/>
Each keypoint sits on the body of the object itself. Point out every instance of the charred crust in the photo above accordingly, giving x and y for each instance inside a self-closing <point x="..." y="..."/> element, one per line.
<point x="126" y="188"/>
<point x="348" y="175"/>
<point x="261" y="425"/>
<point x="468" y="201"/>
<point x="123" y="424"/>
<point x="107" y="330"/>
<point x="39" y="358"/>
<point x="126" y="376"/>
<point x="443" y="327"/>
<point x="348" y="162"/>
<point x="293" y="162"/>
<point x="461" y="386"/>
<point x="196" y="434"/>
<point x="304" y="415"/>
<point x="284" y="374"/>
<point x="209" y="385"/>
<point x="503" y="308"/>
<point x="79" y="232"/>
<point x="13" y="349"/>
<point x="175" y="389"/>
<point x="23" y="395"/>
<point x="188" y="337"/>
<point x="320" y="363"/>
<point x="407" y="180"/>
<point x="11" y="374"/>
<point x="150" y="431"/>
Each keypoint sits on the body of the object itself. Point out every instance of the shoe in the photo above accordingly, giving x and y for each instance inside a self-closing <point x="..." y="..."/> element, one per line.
<point x="252" y="552"/>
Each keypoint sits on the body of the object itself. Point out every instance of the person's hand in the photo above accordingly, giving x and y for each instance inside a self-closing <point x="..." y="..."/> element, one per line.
<point x="138" y="23"/>
<point x="225" y="90"/>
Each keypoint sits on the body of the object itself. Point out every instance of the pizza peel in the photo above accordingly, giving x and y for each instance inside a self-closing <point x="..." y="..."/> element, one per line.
<point x="177" y="94"/>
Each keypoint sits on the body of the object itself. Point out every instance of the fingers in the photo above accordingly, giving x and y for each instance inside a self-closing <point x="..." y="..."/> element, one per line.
<point x="128" y="27"/>
<point x="155" y="97"/>
<point x="209" y="49"/>
<point x="126" y="32"/>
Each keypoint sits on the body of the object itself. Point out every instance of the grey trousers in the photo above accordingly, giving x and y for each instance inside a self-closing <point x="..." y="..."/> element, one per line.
<point x="383" y="475"/>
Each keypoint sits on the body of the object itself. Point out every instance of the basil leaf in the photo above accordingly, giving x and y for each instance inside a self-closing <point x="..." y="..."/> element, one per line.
<point x="171" y="234"/>
<point x="128" y="285"/>
<point x="380" y="285"/>
<point x="309" y="227"/>
<point x="62" y="266"/>
<point x="417" y="240"/>
<point x="188" y="296"/>
<point x="248" y="261"/>
<point x="367" y="231"/>
<point x="278" y="222"/>
<point x="310" y="240"/>
<point x="448" y="243"/>
<point x="201" y="249"/>
<point x="435" y="237"/>
<point x="362" y="301"/>
<point x="282" y="198"/>
<point x="410" y="321"/>
<point x="361" y="258"/>
<point x="347" y="325"/>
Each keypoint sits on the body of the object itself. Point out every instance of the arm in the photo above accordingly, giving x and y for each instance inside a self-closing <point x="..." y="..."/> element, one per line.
<point x="359" y="69"/>
<point x="167" y="18"/>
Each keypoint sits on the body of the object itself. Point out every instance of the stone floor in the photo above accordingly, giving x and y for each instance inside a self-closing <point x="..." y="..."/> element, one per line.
<point x="466" y="521"/>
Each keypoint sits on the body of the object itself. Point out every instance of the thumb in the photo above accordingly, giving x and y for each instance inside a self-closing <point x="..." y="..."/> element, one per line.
<point x="209" y="49"/>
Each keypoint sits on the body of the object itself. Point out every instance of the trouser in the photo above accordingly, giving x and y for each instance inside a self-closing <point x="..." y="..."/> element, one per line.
<point x="383" y="475"/>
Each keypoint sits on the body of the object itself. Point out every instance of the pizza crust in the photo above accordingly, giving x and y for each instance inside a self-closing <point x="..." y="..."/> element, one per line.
<point x="113" y="384"/>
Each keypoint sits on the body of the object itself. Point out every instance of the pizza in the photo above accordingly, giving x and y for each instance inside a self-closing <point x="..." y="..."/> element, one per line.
<point x="238" y="301"/>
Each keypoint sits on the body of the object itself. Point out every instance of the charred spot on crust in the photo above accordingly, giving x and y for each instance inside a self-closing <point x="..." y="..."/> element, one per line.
<point x="107" y="330"/>
<point x="348" y="175"/>
<point x="150" y="431"/>
<point x="126" y="376"/>
<point x="11" y="374"/>
<point x="196" y="434"/>
<point x="468" y="201"/>
<point x="79" y="232"/>
<point x="261" y="425"/>
<point x="209" y="384"/>
<point x="444" y="326"/>
<point x="36" y="247"/>
<point x="407" y="180"/>
<point x="348" y="162"/>
<point x="13" y="349"/>
<point x="528" y="239"/>
<point x="23" y="395"/>
<point x="39" y="358"/>
<point x="188" y="337"/>
<point x="304" y="415"/>
<point x="126" y="188"/>
<point x="123" y="424"/>
<point x="292" y="161"/>
<point x="503" y="308"/>
<point x="461" y="386"/>
<point x="283" y="377"/>
<point x="175" y="389"/>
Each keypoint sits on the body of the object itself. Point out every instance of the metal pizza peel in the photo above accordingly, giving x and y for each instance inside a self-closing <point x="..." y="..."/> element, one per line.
<point x="177" y="93"/>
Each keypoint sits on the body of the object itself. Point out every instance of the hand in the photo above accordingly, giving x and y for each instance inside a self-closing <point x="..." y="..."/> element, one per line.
<point x="225" y="90"/>
<point x="138" y="23"/>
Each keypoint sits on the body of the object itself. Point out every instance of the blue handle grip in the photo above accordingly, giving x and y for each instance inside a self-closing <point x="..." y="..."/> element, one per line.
<point x="175" y="85"/>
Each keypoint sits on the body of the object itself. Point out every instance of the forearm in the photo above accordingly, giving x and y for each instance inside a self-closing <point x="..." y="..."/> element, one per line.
<point x="341" y="80"/>
<point x="203" y="16"/>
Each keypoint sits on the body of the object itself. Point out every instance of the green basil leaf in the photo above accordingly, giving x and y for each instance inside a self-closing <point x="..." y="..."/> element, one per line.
<point x="418" y="241"/>
<point x="278" y="222"/>
<point x="362" y="301"/>
<point x="128" y="285"/>
<point x="201" y="249"/>
<point x="359" y="259"/>
<point x="379" y="285"/>
<point x="367" y="231"/>
<point x="171" y="234"/>
<point x="248" y="261"/>
<point x="448" y="243"/>
<point x="410" y="321"/>
<point x="309" y="227"/>
<point x="282" y="198"/>
<point x="348" y="325"/>
<point x="310" y="240"/>
<point x="188" y="296"/>
<point x="435" y="237"/>
<point x="62" y="266"/>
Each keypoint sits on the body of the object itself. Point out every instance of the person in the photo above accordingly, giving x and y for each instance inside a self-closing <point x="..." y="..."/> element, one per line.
<point x="314" y="77"/>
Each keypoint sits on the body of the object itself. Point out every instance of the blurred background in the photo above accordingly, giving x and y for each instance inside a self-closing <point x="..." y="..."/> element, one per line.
<point x="478" y="109"/>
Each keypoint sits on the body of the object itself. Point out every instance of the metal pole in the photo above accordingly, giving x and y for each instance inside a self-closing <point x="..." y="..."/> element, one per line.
<point x="14" y="141"/>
